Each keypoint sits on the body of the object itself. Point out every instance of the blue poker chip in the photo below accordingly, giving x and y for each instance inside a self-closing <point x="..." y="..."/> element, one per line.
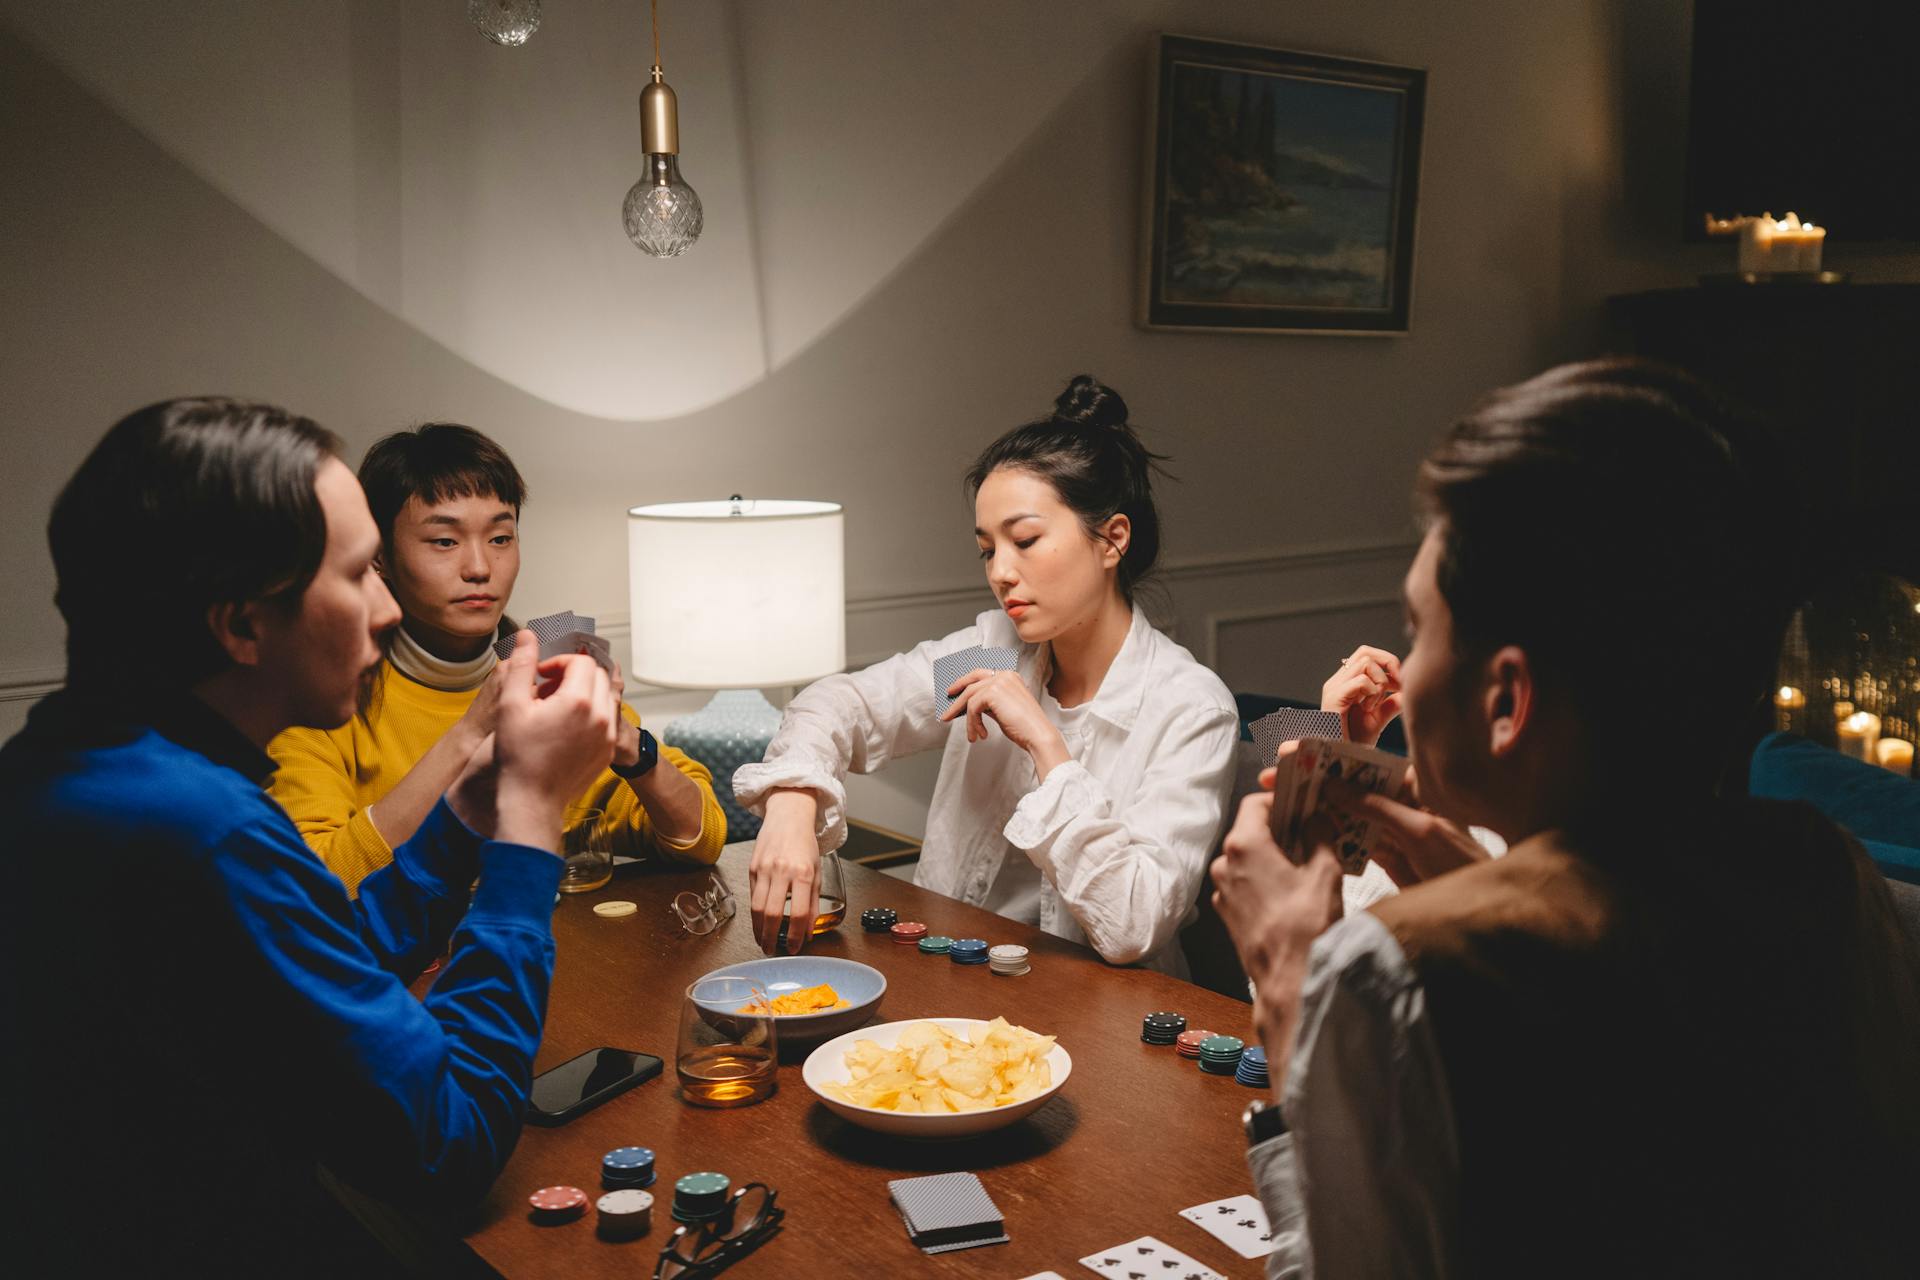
<point x="627" y="1167"/>
<point x="971" y="946"/>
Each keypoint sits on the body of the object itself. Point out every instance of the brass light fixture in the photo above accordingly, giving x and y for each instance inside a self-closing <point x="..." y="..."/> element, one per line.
<point x="662" y="213"/>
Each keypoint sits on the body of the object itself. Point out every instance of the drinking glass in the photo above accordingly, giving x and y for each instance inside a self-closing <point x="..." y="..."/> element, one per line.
<point x="832" y="892"/>
<point x="727" y="1048"/>
<point x="587" y="845"/>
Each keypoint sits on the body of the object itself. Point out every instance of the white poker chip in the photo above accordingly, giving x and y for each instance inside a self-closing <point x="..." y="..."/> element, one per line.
<point x="1008" y="951"/>
<point x="614" y="910"/>
<point x="622" y="1203"/>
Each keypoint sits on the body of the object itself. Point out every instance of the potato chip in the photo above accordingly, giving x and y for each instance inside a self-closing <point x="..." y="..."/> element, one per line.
<point x="931" y="1070"/>
<point x="795" y="1003"/>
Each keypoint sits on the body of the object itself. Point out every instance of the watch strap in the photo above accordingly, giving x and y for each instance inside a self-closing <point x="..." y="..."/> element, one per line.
<point x="648" y="758"/>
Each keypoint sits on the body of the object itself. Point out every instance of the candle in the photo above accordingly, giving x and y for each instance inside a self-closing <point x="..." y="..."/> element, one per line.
<point x="1895" y="754"/>
<point x="1788" y="703"/>
<point x="1842" y="709"/>
<point x="1769" y="246"/>
<point x="1857" y="734"/>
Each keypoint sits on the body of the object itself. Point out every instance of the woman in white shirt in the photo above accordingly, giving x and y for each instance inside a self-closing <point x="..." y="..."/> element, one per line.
<point x="1083" y="791"/>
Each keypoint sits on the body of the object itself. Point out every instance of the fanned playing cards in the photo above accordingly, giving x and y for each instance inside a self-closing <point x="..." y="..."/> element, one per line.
<point x="1297" y="795"/>
<point x="1289" y="724"/>
<point x="1137" y="1259"/>
<point x="559" y="633"/>
<point x="954" y="665"/>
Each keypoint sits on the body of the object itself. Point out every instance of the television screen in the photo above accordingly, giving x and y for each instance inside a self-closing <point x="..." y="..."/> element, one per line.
<point x="1810" y="108"/>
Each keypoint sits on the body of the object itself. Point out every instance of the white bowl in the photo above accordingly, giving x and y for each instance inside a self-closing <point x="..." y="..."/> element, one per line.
<point x="828" y="1065"/>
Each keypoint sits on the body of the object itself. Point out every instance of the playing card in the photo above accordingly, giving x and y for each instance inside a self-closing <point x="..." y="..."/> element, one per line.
<point x="1139" y="1259"/>
<point x="552" y="630"/>
<point x="954" y="665"/>
<point x="1316" y="760"/>
<point x="581" y="642"/>
<point x="1288" y="724"/>
<point x="1046" y="1275"/>
<point x="948" y="1211"/>
<point x="1239" y="1221"/>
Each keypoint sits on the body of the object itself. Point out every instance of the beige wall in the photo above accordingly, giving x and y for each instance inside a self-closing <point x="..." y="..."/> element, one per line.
<point x="922" y="219"/>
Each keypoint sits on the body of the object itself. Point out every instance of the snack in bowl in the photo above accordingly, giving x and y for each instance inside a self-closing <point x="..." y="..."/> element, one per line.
<point x="930" y="1070"/>
<point x="799" y="1003"/>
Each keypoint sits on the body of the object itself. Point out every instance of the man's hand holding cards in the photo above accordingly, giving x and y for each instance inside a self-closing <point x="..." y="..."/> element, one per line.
<point x="1302" y="814"/>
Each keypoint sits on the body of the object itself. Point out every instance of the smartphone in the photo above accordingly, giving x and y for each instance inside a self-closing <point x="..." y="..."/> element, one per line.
<point x="583" y="1083"/>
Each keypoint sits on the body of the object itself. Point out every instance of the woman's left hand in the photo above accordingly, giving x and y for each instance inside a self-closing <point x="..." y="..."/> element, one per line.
<point x="1005" y="697"/>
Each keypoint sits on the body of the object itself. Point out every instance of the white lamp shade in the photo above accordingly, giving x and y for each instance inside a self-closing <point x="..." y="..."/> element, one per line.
<point x="737" y="595"/>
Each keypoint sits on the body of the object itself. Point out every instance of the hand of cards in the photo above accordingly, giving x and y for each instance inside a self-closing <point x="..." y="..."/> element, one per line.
<point x="561" y="633"/>
<point x="1296" y="796"/>
<point x="954" y="665"/>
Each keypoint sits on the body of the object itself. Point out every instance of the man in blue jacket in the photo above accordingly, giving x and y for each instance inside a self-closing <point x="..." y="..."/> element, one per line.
<point x="200" y="1016"/>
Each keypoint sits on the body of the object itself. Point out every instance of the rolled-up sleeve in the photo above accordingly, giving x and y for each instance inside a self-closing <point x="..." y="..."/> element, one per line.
<point x="852" y="723"/>
<point x="1129" y="867"/>
<point x="1365" y="1183"/>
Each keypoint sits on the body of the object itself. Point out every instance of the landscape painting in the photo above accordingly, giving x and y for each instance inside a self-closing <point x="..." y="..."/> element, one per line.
<point x="1283" y="191"/>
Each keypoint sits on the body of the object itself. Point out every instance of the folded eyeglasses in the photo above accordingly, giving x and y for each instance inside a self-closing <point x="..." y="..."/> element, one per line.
<point x="707" y="1248"/>
<point x="705" y="911"/>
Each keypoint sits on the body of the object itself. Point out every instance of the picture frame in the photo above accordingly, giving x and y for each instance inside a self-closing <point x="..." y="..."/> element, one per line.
<point x="1282" y="191"/>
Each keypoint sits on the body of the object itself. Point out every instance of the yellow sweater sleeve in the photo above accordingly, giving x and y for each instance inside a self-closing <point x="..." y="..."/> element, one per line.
<point x="627" y="817"/>
<point x="313" y="784"/>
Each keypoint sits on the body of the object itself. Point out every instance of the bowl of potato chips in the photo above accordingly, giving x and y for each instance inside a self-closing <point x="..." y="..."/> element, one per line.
<point x="811" y="996"/>
<point x="937" y="1077"/>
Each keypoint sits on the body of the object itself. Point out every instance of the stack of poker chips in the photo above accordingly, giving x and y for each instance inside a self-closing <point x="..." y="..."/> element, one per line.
<point x="968" y="951"/>
<point x="626" y="1214"/>
<point x="698" y="1197"/>
<point x="626" y="1167"/>
<point x="1220" y="1055"/>
<point x="935" y="945"/>
<point x="879" y="919"/>
<point x="1162" y="1028"/>
<point x="553" y="1206"/>
<point x="1189" y="1042"/>
<point x="1253" y="1068"/>
<point x="1009" y="960"/>
<point x="908" y="932"/>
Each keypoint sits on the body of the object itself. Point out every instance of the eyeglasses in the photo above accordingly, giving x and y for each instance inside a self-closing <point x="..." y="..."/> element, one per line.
<point x="707" y="1248"/>
<point x="703" y="912"/>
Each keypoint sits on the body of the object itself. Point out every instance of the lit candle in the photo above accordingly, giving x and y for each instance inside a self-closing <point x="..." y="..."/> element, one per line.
<point x="1857" y="734"/>
<point x="1895" y="754"/>
<point x="1842" y="709"/>
<point x="1768" y="246"/>
<point x="1788" y="703"/>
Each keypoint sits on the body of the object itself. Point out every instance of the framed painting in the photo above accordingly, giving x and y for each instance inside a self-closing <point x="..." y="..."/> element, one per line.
<point x="1283" y="191"/>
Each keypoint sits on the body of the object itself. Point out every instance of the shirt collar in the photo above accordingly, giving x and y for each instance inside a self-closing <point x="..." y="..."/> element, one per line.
<point x="79" y="716"/>
<point x="1125" y="684"/>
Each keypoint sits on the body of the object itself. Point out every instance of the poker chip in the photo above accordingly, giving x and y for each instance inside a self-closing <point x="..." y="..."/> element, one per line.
<point x="968" y="951"/>
<point x="699" y="1196"/>
<point x="625" y="1214"/>
<point x="1252" y="1070"/>
<point x="626" y="1167"/>
<point x="936" y="945"/>
<point x="908" y="931"/>
<point x="614" y="910"/>
<point x="1002" y="971"/>
<point x="1009" y="960"/>
<point x="1008" y="951"/>
<point x="1220" y="1055"/>
<point x="555" y="1205"/>
<point x="879" y="919"/>
<point x="1162" y="1028"/>
<point x="1188" y="1043"/>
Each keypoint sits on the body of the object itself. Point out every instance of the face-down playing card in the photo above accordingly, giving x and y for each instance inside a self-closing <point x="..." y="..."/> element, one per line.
<point x="1287" y="725"/>
<point x="954" y="665"/>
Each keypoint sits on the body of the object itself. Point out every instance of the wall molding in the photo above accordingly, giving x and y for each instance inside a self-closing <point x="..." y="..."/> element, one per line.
<point x="28" y="684"/>
<point x="1213" y="622"/>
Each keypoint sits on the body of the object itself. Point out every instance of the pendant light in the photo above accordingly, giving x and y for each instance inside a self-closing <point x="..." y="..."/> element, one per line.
<point x="506" y="22"/>
<point x="662" y="213"/>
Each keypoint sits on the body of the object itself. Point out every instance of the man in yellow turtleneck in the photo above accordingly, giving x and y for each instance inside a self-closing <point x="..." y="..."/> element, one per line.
<point x="448" y="500"/>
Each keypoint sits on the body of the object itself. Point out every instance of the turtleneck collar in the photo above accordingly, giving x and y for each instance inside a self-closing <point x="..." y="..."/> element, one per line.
<point x="412" y="660"/>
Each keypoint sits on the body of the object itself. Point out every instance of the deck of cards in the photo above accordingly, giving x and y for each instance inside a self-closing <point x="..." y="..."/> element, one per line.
<point x="1296" y="795"/>
<point x="948" y="1211"/>
<point x="954" y="665"/>
<point x="560" y="633"/>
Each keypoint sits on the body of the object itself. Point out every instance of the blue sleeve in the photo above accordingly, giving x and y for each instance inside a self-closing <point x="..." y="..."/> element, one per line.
<point x="420" y="1101"/>
<point x="408" y="908"/>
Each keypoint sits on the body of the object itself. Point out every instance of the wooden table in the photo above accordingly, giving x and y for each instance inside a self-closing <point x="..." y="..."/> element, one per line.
<point x="1136" y="1134"/>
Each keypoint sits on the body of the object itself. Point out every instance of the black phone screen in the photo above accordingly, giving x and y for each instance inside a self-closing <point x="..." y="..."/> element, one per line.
<point x="585" y="1081"/>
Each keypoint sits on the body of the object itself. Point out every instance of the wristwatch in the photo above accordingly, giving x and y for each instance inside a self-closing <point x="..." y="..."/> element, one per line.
<point x="640" y="768"/>
<point x="1262" y="1120"/>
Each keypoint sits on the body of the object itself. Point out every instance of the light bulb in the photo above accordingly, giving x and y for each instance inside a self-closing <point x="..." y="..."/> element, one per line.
<point x="662" y="212"/>
<point x="507" y="22"/>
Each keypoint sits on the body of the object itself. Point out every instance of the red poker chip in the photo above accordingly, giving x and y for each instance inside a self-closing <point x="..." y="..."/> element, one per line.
<point x="908" y="931"/>
<point x="557" y="1204"/>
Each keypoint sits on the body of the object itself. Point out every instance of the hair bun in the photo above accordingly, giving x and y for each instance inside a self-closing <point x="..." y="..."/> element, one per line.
<point x="1090" y="403"/>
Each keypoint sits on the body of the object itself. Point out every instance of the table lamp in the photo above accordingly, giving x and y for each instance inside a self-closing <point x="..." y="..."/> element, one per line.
<point x="736" y="596"/>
